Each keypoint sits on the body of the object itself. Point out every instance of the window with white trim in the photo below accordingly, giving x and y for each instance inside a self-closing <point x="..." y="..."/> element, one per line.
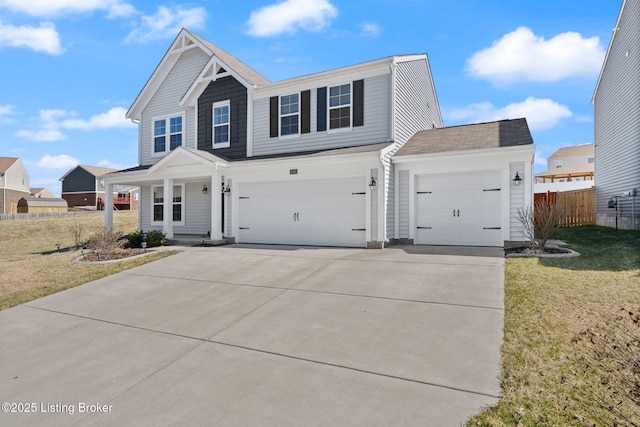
<point x="290" y="114"/>
<point x="558" y="163"/>
<point x="221" y="124"/>
<point x="167" y="134"/>
<point x="177" y="204"/>
<point x="340" y="106"/>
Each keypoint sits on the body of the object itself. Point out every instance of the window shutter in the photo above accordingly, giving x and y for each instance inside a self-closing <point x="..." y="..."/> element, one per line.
<point x="305" y="111"/>
<point x="322" y="109"/>
<point x="273" y="117"/>
<point x="358" y="103"/>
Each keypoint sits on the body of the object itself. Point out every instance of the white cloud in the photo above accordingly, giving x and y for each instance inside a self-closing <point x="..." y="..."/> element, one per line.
<point x="166" y="23"/>
<point x="104" y="163"/>
<point x="541" y="114"/>
<point x="43" y="38"/>
<point x="5" y="112"/>
<point x="523" y="56"/>
<point x="62" y="161"/>
<point x="41" y="135"/>
<point x="291" y="15"/>
<point x="114" y="118"/>
<point x="51" y="122"/>
<point x="370" y="29"/>
<point x="49" y="8"/>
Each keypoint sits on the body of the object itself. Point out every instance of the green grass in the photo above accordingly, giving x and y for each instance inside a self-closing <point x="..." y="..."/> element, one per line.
<point x="554" y="372"/>
<point x="32" y="267"/>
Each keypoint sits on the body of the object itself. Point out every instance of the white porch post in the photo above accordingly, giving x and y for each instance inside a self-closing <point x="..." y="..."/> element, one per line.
<point x="167" y="212"/>
<point x="108" y="208"/>
<point x="216" y="219"/>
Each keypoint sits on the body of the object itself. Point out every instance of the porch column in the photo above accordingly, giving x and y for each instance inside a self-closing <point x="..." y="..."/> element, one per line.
<point x="108" y="208"/>
<point x="167" y="212"/>
<point x="216" y="217"/>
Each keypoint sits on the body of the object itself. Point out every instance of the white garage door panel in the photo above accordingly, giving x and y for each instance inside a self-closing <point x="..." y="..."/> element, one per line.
<point x="314" y="212"/>
<point x="459" y="209"/>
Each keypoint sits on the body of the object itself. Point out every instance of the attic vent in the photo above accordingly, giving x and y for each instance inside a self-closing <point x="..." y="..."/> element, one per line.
<point x="221" y="70"/>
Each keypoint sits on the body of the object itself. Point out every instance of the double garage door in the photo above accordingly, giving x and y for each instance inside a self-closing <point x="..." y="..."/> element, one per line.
<point x="459" y="209"/>
<point x="327" y="212"/>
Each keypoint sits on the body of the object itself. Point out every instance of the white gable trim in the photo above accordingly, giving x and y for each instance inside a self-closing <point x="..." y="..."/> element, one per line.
<point x="209" y="74"/>
<point x="184" y="41"/>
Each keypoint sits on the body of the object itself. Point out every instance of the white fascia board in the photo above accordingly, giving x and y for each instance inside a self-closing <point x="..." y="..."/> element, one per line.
<point x="204" y="78"/>
<point x="162" y="71"/>
<point x="326" y="78"/>
<point x="606" y="57"/>
<point x="286" y="161"/>
<point x="409" y="58"/>
<point x="184" y="152"/>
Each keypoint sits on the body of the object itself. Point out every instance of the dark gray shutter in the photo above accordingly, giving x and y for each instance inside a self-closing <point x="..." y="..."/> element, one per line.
<point x="273" y="117"/>
<point x="305" y="111"/>
<point x="322" y="109"/>
<point x="358" y="103"/>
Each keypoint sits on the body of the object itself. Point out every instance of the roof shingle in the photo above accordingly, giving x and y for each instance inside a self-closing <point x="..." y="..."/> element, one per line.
<point x="503" y="133"/>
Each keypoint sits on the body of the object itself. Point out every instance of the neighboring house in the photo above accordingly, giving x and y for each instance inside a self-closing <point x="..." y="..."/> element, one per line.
<point x="568" y="169"/>
<point x="14" y="184"/>
<point x="42" y="205"/>
<point x="616" y="103"/>
<point x="82" y="187"/>
<point x="40" y="193"/>
<point x="311" y="160"/>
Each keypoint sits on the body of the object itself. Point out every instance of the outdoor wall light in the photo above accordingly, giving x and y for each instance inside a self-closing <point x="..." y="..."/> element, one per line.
<point x="612" y="203"/>
<point x="373" y="184"/>
<point x="516" y="179"/>
<point x="204" y="189"/>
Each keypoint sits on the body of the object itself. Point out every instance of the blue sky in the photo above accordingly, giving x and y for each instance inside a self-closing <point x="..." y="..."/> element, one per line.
<point x="70" y="69"/>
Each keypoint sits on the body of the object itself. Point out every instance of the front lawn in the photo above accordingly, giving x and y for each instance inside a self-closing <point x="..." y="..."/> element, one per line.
<point x="571" y="353"/>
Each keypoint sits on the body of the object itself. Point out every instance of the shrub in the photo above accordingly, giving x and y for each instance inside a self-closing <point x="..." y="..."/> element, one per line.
<point x="540" y="223"/>
<point x="135" y="239"/>
<point x="155" y="238"/>
<point x="108" y="241"/>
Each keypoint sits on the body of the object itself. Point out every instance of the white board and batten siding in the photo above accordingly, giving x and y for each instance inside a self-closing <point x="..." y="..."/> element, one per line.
<point x="617" y="120"/>
<point x="166" y="103"/>
<point x="517" y="201"/>
<point x="377" y="110"/>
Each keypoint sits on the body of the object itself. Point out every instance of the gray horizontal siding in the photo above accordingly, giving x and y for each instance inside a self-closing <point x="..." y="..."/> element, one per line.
<point x="416" y="103"/>
<point x="403" y="204"/>
<point x="197" y="210"/>
<point x="375" y="129"/>
<point x="617" y="115"/>
<point x="166" y="102"/>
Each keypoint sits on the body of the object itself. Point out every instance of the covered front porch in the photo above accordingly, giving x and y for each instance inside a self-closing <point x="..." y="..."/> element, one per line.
<point x="183" y="194"/>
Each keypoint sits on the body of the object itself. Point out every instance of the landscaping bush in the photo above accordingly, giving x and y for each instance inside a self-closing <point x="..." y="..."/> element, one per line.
<point x="135" y="239"/>
<point x="108" y="241"/>
<point x="155" y="238"/>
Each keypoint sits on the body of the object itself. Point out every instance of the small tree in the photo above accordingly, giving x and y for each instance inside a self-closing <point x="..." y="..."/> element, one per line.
<point x="77" y="228"/>
<point x="540" y="223"/>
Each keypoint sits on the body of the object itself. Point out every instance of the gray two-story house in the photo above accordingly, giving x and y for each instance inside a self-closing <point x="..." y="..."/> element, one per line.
<point x="616" y="102"/>
<point x="224" y="152"/>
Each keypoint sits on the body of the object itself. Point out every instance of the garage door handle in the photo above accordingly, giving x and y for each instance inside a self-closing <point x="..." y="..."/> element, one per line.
<point x="458" y="212"/>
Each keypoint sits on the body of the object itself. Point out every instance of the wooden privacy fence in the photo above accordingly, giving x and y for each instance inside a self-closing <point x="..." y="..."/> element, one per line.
<point x="579" y="207"/>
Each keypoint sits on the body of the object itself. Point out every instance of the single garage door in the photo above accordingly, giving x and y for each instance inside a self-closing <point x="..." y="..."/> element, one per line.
<point x="459" y="209"/>
<point x="314" y="212"/>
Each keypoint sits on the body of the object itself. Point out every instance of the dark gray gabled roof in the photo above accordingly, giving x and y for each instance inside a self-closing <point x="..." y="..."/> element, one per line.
<point x="503" y="133"/>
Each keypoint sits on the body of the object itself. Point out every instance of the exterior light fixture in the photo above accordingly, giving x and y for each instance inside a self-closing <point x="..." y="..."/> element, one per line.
<point x="144" y="246"/>
<point x="612" y="203"/>
<point x="204" y="189"/>
<point x="516" y="179"/>
<point x="373" y="184"/>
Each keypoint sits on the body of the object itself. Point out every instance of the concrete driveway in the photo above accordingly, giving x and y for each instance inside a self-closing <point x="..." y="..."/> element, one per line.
<point x="261" y="335"/>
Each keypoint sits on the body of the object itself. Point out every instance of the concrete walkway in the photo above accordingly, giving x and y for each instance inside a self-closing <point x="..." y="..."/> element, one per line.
<point x="263" y="335"/>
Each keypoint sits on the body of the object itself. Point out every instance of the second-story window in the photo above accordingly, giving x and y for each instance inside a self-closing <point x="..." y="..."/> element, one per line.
<point x="221" y="121"/>
<point x="167" y="134"/>
<point x="289" y="115"/>
<point x="340" y="106"/>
